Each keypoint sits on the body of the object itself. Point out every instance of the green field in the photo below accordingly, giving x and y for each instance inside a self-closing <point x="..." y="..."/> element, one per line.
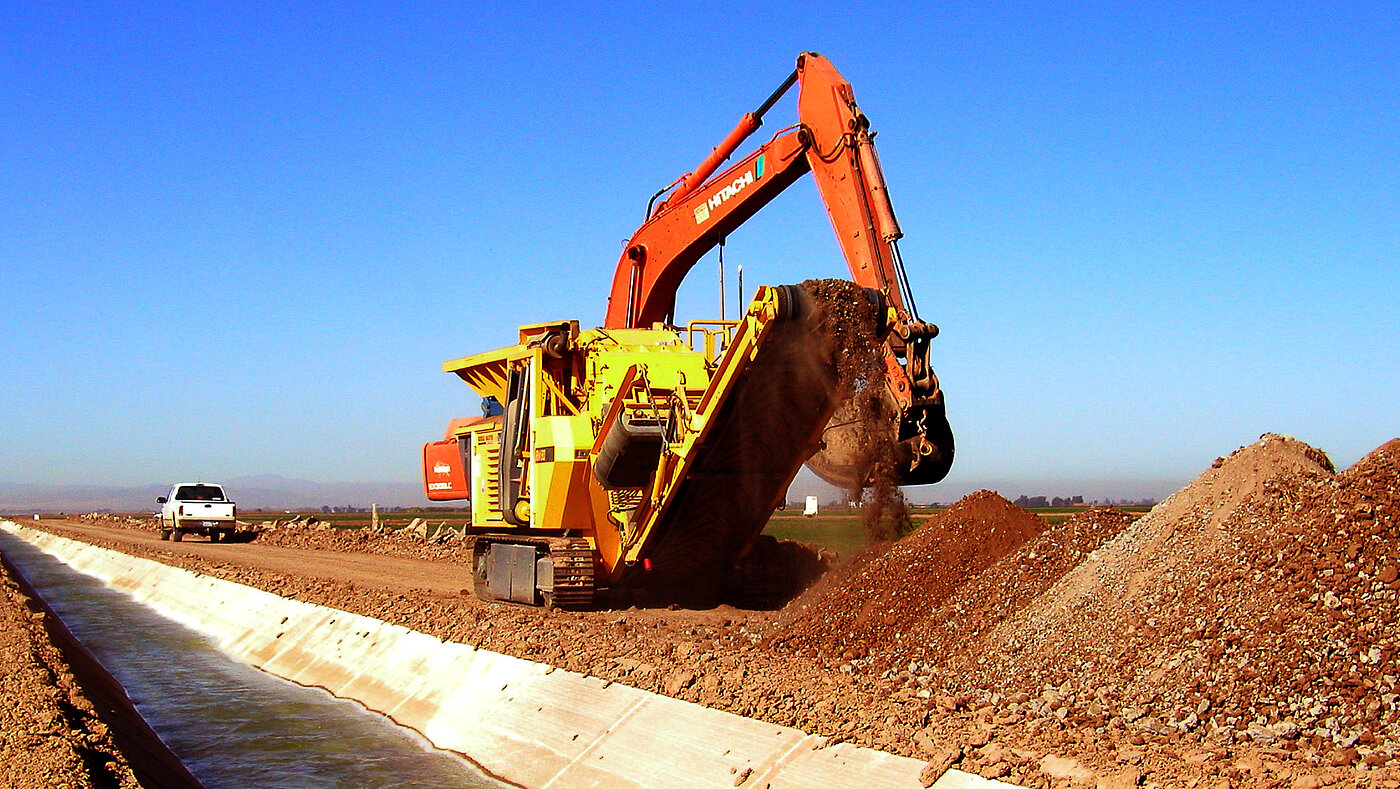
<point x="839" y="530"/>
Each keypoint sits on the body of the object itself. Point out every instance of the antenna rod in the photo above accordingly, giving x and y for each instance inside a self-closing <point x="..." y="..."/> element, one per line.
<point x="741" y="288"/>
<point x="721" y="278"/>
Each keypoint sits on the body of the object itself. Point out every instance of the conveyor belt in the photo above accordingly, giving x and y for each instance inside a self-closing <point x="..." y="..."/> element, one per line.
<point x="767" y="426"/>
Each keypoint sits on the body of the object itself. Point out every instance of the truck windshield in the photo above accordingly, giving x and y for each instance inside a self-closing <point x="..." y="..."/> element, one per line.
<point x="199" y="493"/>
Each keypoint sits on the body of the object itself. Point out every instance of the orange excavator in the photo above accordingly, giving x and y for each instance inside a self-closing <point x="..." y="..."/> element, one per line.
<point x="646" y="455"/>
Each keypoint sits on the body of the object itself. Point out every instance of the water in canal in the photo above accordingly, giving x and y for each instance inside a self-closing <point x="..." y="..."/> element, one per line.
<point x="232" y="725"/>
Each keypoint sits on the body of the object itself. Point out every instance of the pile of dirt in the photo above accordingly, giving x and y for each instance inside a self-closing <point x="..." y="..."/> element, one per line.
<point x="961" y="626"/>
<point x="1256" y="606"/>
<point x="871" y="615"/>
<point x="850" y="329"/>
<point x="1191" y="612"/>
<point x="118" y="520"/>
<point x="1254" y="611"/>
<point x="408" y="543"/>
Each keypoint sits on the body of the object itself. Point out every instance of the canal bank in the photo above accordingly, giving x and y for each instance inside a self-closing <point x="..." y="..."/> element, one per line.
<point x="521" y="720"/>
<point x="60" y="725"/>
<point x="226" y="724"/>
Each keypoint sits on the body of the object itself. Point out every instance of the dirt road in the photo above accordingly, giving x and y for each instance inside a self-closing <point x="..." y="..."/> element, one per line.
<point x="370" y="571"/>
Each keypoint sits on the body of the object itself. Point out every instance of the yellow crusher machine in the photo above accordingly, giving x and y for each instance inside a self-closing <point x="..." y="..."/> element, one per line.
<point x="643" y="455"/>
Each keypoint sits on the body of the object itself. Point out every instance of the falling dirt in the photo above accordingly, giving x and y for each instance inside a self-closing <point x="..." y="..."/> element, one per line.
<point x="850" y="327"/>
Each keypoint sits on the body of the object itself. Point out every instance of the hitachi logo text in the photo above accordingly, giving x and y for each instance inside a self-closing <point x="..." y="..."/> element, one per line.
<point x="702" y="211"/>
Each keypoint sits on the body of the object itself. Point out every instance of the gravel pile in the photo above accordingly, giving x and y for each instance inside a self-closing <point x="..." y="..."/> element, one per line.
<point x="1246" y="627"/>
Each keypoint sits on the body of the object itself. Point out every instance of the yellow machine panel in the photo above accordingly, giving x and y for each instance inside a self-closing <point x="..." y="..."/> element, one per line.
<point x="561" y="473"/>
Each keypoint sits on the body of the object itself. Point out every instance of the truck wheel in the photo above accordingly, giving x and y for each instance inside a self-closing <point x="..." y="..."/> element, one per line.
<point x="176" y="535"/>
<point x="165" y="534"/>
<point x="213" y="535"/>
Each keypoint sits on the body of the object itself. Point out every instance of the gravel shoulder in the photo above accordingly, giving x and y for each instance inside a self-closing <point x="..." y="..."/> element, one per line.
<point x="63" y="721"/>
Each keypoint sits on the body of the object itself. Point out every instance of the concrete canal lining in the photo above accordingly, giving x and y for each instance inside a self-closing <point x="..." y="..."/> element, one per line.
<point x="525" y="722"/>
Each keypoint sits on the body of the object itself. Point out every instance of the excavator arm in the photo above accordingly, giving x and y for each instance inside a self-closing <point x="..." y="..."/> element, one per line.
<point x="832" y="141"/>
<point x="684" y="228"/>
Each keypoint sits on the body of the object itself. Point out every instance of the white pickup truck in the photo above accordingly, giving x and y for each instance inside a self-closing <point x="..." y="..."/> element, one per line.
<point x="197" y="508"/>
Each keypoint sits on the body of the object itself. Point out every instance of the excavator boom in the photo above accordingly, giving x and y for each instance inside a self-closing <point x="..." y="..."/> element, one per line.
<point x="832" y="140"/>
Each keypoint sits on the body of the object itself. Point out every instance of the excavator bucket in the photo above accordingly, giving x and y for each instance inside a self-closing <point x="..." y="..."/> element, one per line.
<point x="917" y="444"/>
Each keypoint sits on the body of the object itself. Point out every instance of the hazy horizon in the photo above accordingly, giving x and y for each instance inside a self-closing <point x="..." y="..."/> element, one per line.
<point x="265" y="491"/>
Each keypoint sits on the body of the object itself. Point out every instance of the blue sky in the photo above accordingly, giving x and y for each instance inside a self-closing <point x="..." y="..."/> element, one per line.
<point x="241" y="238"/>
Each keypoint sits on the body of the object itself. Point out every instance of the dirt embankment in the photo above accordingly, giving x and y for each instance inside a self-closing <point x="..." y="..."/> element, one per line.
<point x="387" y="542"/>
<point x="50" y="734"/>
<point x="1242" y="634"/>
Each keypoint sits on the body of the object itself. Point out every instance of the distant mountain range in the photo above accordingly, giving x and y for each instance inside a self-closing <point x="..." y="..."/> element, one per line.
<point x="261" y="492"/>
<point x="271" y="492"/>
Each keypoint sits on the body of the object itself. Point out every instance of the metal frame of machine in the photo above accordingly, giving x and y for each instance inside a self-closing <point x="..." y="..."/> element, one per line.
<point x="644" y="455"/>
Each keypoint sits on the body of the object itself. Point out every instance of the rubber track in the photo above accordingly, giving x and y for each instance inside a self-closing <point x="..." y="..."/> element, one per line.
<point x="573" y="573"/>
<point x="573" y="568"/>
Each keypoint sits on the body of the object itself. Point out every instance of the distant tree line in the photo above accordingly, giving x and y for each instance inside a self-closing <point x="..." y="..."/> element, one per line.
<point x="1041" y="501"/>
<point x="1078" y="501"/>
